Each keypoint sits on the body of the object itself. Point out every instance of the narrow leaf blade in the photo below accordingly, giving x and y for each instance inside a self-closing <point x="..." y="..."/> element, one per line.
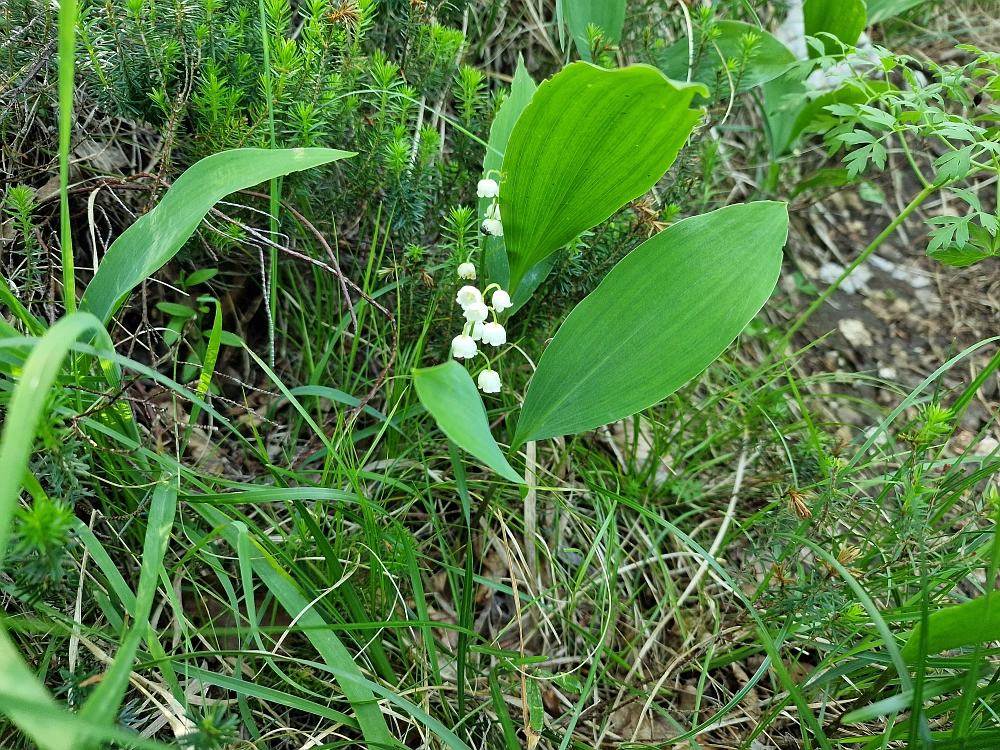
<point x="522" y="88"/>
<point x="155" y="238"/>
<point x="103" y="704"/>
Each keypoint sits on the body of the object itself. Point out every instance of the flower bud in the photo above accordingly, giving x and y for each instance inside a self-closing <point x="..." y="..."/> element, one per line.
<point x="477" y="312"/>
<point x="467" y="271"/>
<point x="477" y="331"/>
<point x="493" y="212"/>
<point x="489" y="381"/>
<point x="492" y="227"/>
<point x="487" y="189"/>
<point x="463" y="347"/>
<point x="468" y="295"/>
<point x="501" y="300"/>
<point x="493" y="333"/>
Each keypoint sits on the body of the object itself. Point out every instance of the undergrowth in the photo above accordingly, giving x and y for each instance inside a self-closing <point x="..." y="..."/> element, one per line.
<point x="721" y="570"/>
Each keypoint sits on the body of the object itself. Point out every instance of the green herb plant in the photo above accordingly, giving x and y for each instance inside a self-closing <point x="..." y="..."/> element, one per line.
<point x="661" y="315"/>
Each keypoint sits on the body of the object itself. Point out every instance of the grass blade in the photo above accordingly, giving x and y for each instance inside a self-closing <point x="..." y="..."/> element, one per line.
<point x="67" y="51"/>
<point x="22" y="695"/>
<point x="102" y="706"/>
<point x="370" y="717"/>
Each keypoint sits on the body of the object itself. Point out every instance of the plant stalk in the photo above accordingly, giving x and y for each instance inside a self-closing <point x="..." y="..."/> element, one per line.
<point x="272" y="287"/>
<point x="67" y="49"/>
<point x="920" y="198"/>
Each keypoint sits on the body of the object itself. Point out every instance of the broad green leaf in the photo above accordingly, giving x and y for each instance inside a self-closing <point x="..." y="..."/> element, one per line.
<point x="784" y="99"/>
<point x="662" y="315"/>
<point x="200" y="277"/>
<point x="608" y="15"/>
<point x="155" y="238"/>
<point x="785" y="96"/>
<point x="26" y="405"/>
<point x="769" y="58"/>
<point x="522" y="88"/>
<point x="821" y="178"/>
<point x="448" y="393"/>
<point x="590" y="141"/>
<point x="844" y="19"/>
<point x="880" y="10"/>
<point x="530" y="282"/>
<point x="536" y="707"/>
<point x="178" y="311"/>
<point x="25" y="700"/>
<point x="977" y="621"/>
<point x="103" y="704"/>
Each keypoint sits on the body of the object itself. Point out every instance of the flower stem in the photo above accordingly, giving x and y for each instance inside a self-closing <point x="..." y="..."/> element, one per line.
<point x="67" y="50"/>
<point x="920" y="198"/>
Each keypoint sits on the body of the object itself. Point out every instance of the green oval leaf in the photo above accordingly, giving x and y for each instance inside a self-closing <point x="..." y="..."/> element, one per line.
<point x="880" y="10"/>
<point x="590" y="141"/>
<point x="662" y="315"/>
<point x="448" y="393"/>
<point x="844" y="19"/>
<point x="767" y="60"/>
<point x="155" y="238"/>
<point x="607" y="15"/>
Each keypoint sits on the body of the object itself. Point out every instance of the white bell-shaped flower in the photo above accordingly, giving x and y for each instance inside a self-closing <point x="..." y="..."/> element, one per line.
<point x="468" y="295"/>
<point x="477" y="331"/>
<point x="477" y="312"/>
<point x="493" y="333"/>
<point x="501" y="300"/>
<point x="487" y="188"/>
<point x="489" y="381"/>
<point x="467" y="271"/>
<point x="493" y="212"/>
<point x="492" y="227"/>
<point x="463" y="347"/>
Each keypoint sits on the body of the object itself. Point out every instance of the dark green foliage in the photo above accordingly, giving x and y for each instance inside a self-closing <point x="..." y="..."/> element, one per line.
<point x="40" y="550"/>
<point x="194" y="71"/>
